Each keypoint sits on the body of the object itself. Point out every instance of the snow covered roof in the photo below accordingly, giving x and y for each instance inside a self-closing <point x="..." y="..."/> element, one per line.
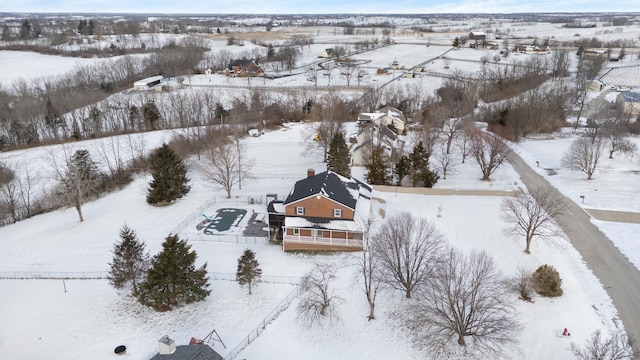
<point x="276" y="206"/>
<point x="630" y="96"/>
<point x="190" y="352"/>
<point x="330" y="185"/>
<point x="148" y="80"/>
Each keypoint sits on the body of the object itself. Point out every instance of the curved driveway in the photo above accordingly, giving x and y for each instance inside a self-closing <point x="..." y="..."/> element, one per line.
<point x="619" y="277"/>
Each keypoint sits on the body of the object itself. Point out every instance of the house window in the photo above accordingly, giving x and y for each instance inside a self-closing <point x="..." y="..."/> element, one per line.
<point x="296" y="231"/>
<point x="316" y="232"/>
<point x="299" y="210"/>
<point x="337" y="213"/>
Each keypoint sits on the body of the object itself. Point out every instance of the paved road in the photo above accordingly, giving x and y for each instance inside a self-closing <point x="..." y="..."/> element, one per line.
<point x="616" y="216"/>
<point x="618" y="276"/>
<point x="439" y="191"/>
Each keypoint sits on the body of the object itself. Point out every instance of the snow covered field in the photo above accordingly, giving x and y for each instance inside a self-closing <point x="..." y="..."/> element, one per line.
<point x="80" y="319"/>
<point x="91" y="318"/>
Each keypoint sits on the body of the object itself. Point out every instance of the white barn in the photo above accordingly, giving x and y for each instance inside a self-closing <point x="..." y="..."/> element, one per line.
<point x="149" y="83"/>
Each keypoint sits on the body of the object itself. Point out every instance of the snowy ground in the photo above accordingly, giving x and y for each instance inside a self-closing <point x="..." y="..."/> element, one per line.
<point x="91" y="318"/>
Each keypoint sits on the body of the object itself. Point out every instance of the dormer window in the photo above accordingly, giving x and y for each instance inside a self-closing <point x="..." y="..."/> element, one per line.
<point x="299" y="210"/>
<point x="337" y="213"/>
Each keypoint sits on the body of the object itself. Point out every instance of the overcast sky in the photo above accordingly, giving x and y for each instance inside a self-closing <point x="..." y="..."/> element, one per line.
<point x="319" y="6"/>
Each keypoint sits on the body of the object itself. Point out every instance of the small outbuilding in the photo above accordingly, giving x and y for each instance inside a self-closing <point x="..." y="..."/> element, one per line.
<point x="595" y="85"/>
<point x="153" y="82"/>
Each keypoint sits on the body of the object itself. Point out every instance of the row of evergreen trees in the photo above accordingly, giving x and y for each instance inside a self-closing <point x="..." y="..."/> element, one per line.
<point x="414" y="166"/>
<point x="170" y="278"/>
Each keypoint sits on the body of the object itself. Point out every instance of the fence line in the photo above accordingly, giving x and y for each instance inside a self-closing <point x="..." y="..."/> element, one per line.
<point x="253" y="334"/>
<point x="100" y="275"/>
<point x="194" y="218"/>
<point x="54" y="275"/>
<point x="231" y="239"/>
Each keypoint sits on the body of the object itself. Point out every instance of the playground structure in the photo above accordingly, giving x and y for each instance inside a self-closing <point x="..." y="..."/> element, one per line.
<point x="210" y="339"/>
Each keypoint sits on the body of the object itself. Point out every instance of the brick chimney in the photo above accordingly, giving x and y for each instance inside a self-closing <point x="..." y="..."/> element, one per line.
<point x="311" y="172"/>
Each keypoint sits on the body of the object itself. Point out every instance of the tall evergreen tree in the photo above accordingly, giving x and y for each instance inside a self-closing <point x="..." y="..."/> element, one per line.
<point x="173" y="279"/>
<point x="402" y="168"/>
<point x="248" y="270"/>
<point x="91" y="27"/>
<point x="169" y="176"/>
<point x="376" y="163"/>
<point x="52" y="118"/>
<point x="6" y="33"/>
<point x="338" y="158"/>
<point x="421" y="175"/>
<point x="82" y="26"/>
<point x="25" y="30"/>
<point x="83" y="167"/>
<point x="151" y="115"/>
<point x="130" y="261"/>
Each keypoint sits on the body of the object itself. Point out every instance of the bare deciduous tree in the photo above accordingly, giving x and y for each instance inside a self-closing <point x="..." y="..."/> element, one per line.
<point x="328" y="114"/>
<point x="465" y="298"/>
<point x="615" y="133"/>
<point x="534" y="214"/>
<point x="618" y="143"/>
<point x="489" y="152"/>
<point x="226" y="165"/>
<point x="28" y="184"/>
<point x="521" y="283"/>
<point x="583" y="155"/>
<point x="451" y="128"/>
<point x="369" y="268"/>
<point x="601" y="116"/>
<point x="616" y="347"/>
<point x="408" y="249"/>
<point x="349" y="71"/>
<point x="110" y="152"/>
<point x="444" y="161"/>
<point x="463" y="142"/>
<point x="318" y="301"/>
<point x="560" y="62"/>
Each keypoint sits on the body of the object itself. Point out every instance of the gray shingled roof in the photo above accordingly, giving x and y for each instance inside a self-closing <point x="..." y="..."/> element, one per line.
<point x="630" y="96"/>
<point x="191" y="352"/>
<point x="329" y="184"/>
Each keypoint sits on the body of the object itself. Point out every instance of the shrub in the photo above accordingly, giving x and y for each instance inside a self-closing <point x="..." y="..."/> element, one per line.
<point x="521" y="283"/>
<point x="546" y="281"/>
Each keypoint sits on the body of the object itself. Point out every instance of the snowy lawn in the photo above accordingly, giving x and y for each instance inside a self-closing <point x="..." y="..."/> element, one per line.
<point x="91" y="318"/>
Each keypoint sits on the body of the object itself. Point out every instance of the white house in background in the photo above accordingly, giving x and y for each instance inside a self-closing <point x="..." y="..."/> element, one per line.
<point x="383" y="127"/>
<point x="374" y="134"/>
<point x="327" y="53"/>
<point x="386" y="116"/>
<point x="149" y="83"/>
<point x="631" y="102"/>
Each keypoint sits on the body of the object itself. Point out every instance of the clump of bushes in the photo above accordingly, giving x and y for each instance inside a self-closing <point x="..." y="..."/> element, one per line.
<point x="546" y="281"/>
<point x="521" y="283"/>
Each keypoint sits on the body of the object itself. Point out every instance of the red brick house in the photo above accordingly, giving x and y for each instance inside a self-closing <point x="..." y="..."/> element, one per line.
<point x="323" y="212"/>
